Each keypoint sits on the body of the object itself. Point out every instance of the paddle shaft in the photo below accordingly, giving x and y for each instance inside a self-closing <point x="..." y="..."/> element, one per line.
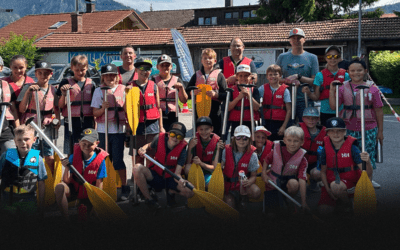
<point x="364" y="164"/>
<point x="71" y="141"/>
<point x="194" y="113"/>
<point x="224" y="132"/>
<point x="106" y="118"/>
<point x="176" y="104"/>
<point x="3" y="114"/>
<point x="337" y="100"/>
<point x="284" y="193"/>
<point x="293" y="102"/>
<point x="251" y="107"/>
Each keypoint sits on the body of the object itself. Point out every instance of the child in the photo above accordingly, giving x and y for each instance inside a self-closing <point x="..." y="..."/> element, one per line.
<point x="341" y="163"/>
<point x="81" y="94"/>
<point x="349" y="95"/>
<point x="323" y="81"/>
<point x="288" y="170"/>
<point x="202" y="148"/>
<point x="18" y="78"/>
<point x="211" y="75"/>
<point x="116" y="120"/>
<point x="240" y="156"/>
<point x="7" y="94"/>
<point x="88" y="159"/>
<point x="48" y="105"/>
<point x="167" y="87"/>
<point x="277" y="105"/>
<point x="313" y="138"/>
<point x="21" y="168"/>
<point x="263" y="145"/>
<point x="171" y="152"/>
<point x="243" y="74"/>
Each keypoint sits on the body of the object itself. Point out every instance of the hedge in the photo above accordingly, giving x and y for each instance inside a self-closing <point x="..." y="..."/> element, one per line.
<point x="385" y="68"/>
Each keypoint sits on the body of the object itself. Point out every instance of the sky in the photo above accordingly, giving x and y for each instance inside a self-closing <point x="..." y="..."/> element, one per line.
<point x="144" y="5"/>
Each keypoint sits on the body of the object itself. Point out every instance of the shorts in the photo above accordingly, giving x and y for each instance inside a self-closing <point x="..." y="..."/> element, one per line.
<point x="74" y="197"/>
<point x="159" y="182"/>
<point x="370" y="142"/>
<point x="141" y="140"/>
<point x="45" y="150"/>
<point x="207" y="177"/>
<point x="327" y="200"/>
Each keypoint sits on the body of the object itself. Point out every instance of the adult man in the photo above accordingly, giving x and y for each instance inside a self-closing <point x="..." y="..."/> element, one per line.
<point x="299" y="64"/>
<point x="127" y="70"/>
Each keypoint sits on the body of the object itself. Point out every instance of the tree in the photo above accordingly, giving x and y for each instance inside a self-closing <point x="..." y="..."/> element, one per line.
<point x="19" y="45"/>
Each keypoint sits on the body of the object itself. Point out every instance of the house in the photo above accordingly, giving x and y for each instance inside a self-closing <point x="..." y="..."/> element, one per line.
<point x="168" y="18"/>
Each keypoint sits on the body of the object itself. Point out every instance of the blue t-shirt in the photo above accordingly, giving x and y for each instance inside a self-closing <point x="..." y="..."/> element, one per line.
<point x="101" y="173"/>
<point x="325" y="108"/>
<point x="355" y="153"/>
<point x="42" y="174"/>
<point x="305" y="64"/>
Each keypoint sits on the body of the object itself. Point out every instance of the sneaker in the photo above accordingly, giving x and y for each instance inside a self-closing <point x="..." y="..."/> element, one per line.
<point x="375" y="184"/>
<point x="314" y="187"/>
<point x="152" y="205"/>
<point x="126" y="190"/>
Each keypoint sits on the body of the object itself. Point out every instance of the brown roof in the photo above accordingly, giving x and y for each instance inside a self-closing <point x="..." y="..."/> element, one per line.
<point x="39" y="25"/>
<point x="167" y="18"/>
<point x="388" y="15"/>
<point x="334" y="30"/>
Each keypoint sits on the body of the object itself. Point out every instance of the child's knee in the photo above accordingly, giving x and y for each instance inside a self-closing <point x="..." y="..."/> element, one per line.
<point x="59" y="190"/>
<point x="255" y="192"/>
<point x="138" y="168"/>
<point x="315" y="174"/>
<point x="292" y="186"/>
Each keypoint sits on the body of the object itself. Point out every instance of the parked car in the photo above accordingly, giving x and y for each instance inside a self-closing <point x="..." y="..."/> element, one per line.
<point x="6" y="72"/>
<point x="63" y="71"/>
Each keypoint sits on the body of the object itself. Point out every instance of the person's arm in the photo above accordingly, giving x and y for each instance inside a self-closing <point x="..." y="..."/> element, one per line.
<point x="62" y="93"/>
<point x="182" y="95"/>
<point x="160" y="119"/>
<point x="23" y="106"/>
<point x="303" y="191"/>
<point x="220" y="146"/>
<point x="379" y="120"/>
<point x="234" y="102"/>
<point x="222" y="86"/>
<point x="99" y="110"/>
<point x="256" y="100"/>
<point x="14" y="112"/>
<point x="192" y="145"/>
<point x="305" y="79"/>
<point x="99" y="183"/>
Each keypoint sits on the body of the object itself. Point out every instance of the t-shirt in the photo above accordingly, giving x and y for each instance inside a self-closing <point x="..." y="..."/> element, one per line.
<point x="373" y="95"/>
<point x="112" y="125"/>
<point x="286" y="94"/>
<point x="253" y="164"/>
<point x="318" y="81"/>
<point x="126" y="75"/>
<point x="42" y="174"/>
<point x="101" y="173"/>
<point x="253" y="68"/>
<point x="182" y="156"/>
<point x="355" y="153"/>
<point x="305" y="64"/>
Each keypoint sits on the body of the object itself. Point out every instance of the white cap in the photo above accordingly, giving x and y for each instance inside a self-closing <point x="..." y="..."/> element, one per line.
<point x="242" y="130"/>
<point x="243" y="68"/>
<point x="264" y="130"/>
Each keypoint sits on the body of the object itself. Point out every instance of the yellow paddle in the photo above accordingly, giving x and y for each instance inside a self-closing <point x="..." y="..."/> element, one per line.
<point x="103" y="204"/>
<point x="203" y="101"/>
<point x="196" y="177"/>
<point x="213" y="204"/>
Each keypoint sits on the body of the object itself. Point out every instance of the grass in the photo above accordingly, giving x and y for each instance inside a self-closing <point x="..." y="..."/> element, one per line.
<point x="387" y="111"/>
<point x="189" y="103"/>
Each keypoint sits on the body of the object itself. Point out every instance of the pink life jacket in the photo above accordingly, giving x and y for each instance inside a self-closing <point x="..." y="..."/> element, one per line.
<point x="351" y="103"/>
<point x="234" y="114"/>
<point x="28" y="80"/>
<point x="167" y="93"/>
<point x="116" y="108"/>
<point x="6" y="97"/>
<point x="212" y="80"/>
<point x="46" y="103"/>
<point x="76" y="95"/>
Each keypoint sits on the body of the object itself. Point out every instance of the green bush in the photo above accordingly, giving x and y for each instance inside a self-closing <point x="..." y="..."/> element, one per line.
<point x="385" y="69"/>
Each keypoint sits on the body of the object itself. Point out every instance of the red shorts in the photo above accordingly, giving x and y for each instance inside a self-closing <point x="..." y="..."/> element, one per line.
<point x="327" y="200"/>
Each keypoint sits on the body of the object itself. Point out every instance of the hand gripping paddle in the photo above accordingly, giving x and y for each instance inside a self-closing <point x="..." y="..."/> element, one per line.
<point x="337" y="84"/>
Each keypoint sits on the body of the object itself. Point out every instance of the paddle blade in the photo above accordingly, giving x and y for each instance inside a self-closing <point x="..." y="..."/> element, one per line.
<point x="110" y="182"/>
<point x="129" y="107"/>
<point x="216" y="206"/>
<point x="364" y="196"/>
<point x="216" y="184"/>
<point x="104" y="206"/>
<point x="203" y="101"/>
<point x="260" y="183"/>
<point x="49" y="196"/>
<point x="196" y="177"/>
<point x="132" y="108"/>
<point x="57" y="170"/>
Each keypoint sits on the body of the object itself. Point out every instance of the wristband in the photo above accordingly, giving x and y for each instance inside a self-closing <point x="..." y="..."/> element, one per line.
<point x="299" y="76"/>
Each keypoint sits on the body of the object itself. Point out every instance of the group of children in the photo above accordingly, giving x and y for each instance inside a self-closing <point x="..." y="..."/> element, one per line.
<point x="288" y="156"/>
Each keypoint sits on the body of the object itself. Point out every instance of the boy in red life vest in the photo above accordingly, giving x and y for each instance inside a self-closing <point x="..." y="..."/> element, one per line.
<point x="243" y="75"/>
<point x="277" y="105"/>
<point x="201" y="150"/>
<point x="89" y="160"/>
<point x="263" y="145"/>
<point x="341" y="164"/>
<point x="81" y="97"/>
<point x="210" y="74"/>
<point x="171" y="153"/>
<point x="313" y="138"/>
<point x="240" y="156"/>
<point x="116" y="120"/>
<point x="288" y="169"/>
<point x="48" y="104"/>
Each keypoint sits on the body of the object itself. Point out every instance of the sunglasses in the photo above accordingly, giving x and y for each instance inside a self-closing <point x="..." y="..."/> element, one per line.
<point x="144" y="68"/>
<point x="332" y="56"/>
<point x="244" y="138"/>
<point x="179" y="137"/>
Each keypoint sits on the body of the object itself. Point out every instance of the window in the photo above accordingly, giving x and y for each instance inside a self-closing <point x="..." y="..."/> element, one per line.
<point x="253" y="13"/>
<point x="235" y="15"/>
<point x="246" y="14"/>
<point x="208" y="21"/>
<point x="214" y="20"/>
<point x="228" y="15"/>
<point x="57" y="25"/>
<point x="201" y="20"/>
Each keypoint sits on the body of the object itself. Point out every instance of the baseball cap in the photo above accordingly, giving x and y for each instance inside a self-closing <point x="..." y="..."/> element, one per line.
<point x="262" y="129"/>
<point x="143" y="62"/>
<point x="243" y="68"/>
<point x="335" y="123"/>
<point x="1" y="61"/>
<point x="333" y="47"/>
<point x="164" y="59"/>
<point x="204" y="120"/>
<point x="242" y="130"/>
<point x="311" y="111"/>
<point x="109" y="69"/>
<point x="90" y="134"/>
<point x="178" y="128"/>
<point x="296" y="32"/>
<point x="43" y="65"/>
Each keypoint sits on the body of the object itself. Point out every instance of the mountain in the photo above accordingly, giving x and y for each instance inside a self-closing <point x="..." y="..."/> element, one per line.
<point x="387" y="8"/>
<point x="21" y="8"/>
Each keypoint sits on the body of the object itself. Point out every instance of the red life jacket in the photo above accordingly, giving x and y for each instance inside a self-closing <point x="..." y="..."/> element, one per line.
<point x="167" y="96"/>
<point x="291" y="168"/>
<point x="342" y="160"/>
<point x="170" y="161"/>
<point x="274" y="107"/>
<point x="135" y="77"/>
<point x="116" y="101"/>
<point x="267" y="149"/>
<point x="148" y="103"/>
<point x="90" y="172"/>
<point x="234" y="114"/>
<point x="76" y="95"/>
<point x="229" y="66"/>
<point x="231" y="170"/>
<point x="212" y="79"/>
<point x="6" y="97"/>
<point x="311" y="146"/>
<point x="206" y="154"/>
<point x="17" y="89"/>
<point x="351" y="103"/>
<point x="328" y="77"/>
<point x="46" y="103"/>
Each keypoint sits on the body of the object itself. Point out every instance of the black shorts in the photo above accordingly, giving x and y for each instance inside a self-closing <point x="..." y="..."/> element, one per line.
<point x="311" y="167"/>
<point x="74" y="197"/>
<point x="159" y="182"/>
